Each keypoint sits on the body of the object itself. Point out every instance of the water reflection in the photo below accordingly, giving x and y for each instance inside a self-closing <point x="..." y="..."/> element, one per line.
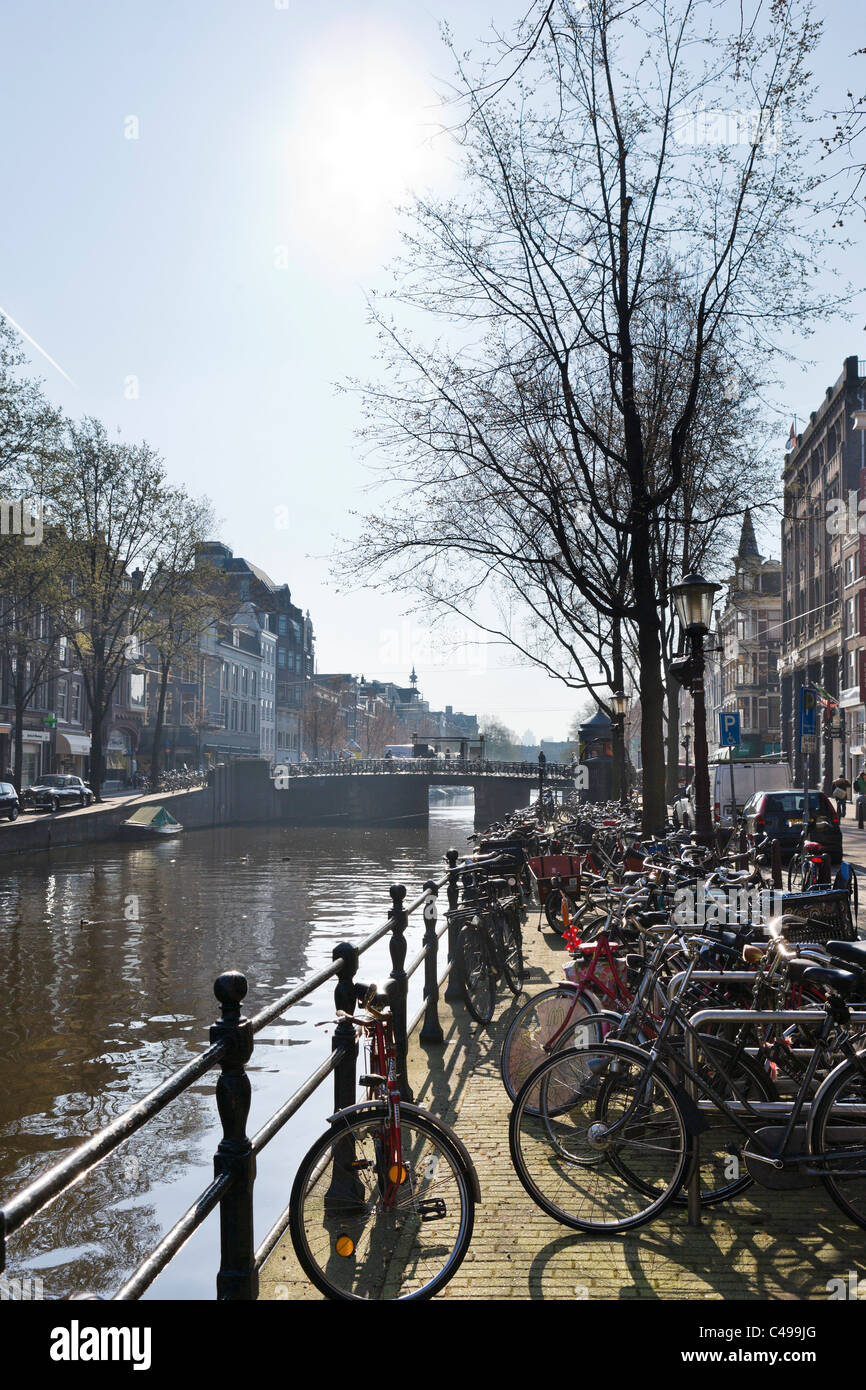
<point x="109" y="955"/>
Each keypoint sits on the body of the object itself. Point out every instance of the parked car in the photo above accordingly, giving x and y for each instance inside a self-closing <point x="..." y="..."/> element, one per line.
<point x="57" y="791"/>
<point x="780" y="815"/>
<point x="749" y="777"/>
<point x="9" y="805"/>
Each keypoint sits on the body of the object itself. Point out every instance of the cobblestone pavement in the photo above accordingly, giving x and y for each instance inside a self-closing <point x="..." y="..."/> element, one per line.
<point x="763" y="1245"/>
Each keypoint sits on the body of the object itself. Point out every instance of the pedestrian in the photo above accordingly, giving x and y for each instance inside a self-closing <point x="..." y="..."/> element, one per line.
<point x="860" y="789"/>
<point x="841" y="788"/>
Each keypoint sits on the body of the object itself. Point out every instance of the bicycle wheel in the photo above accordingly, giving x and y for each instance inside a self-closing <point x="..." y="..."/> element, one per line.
<point x="597" y="1105"/>
<point x="553" y="910"/>
<point x="477" y="972"/>
<point x="538" y="1023"/>
<point x="734" y="1076"/>
<point x="356" y="1236"/>
<point x="509" y="940"/>
<point x="838" y="1136"/>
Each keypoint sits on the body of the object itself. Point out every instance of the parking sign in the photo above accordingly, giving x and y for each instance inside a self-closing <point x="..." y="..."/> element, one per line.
<point x="808" y="712"/>
<point x="729" y="728"/>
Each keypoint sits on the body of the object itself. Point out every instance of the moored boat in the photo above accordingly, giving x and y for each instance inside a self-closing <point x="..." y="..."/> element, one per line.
<point x="151" y="822"/>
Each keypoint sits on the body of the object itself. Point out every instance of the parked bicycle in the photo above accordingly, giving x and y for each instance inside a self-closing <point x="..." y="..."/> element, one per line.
<point x="383" y="1204"/>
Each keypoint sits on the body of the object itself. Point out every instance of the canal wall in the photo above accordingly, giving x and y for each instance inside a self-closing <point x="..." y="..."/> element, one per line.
<point x="238" y="794"/>
<point x="242" y="793"/>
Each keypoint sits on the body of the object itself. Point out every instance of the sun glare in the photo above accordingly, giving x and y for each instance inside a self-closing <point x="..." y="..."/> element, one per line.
<point x="362" y="136"/>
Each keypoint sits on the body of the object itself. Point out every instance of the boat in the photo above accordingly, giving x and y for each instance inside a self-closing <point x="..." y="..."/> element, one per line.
<point x="150" y="822"/>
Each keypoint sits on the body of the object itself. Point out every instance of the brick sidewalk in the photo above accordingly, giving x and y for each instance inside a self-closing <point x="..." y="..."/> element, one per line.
<point x="763" y="1245"/>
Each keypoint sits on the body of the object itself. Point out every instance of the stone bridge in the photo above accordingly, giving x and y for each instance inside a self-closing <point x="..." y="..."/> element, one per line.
<point x="387" y="791"/>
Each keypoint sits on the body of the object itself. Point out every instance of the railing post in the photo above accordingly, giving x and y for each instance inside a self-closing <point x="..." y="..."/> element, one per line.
<point x="344" y="1186"/>
<point x="344" y="1039"/>
<point x="776" y="863"/>
<point x="238" y="1277"/>
<point x="431" y="1031"/>
<point x="454" y="988"/>
<point x="399" y="918"/>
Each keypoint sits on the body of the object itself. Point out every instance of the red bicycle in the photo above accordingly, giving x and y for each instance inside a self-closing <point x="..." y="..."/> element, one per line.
<point x="383" y="1204"/>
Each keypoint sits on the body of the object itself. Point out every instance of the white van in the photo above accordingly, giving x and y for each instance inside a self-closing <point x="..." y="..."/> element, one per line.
<point x="749" y="777"/>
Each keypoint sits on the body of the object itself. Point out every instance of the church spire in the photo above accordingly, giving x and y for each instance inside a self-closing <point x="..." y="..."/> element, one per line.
<point x="748" y="545"/>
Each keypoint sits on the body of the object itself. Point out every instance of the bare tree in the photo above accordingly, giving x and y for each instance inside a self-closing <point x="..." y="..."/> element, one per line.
<point x="117" y="520"/>
<point x="525" y="441"/>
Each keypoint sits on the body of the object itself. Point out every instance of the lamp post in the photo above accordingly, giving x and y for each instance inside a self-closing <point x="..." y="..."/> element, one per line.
<point x="619" y="705"/>
<point x="693" y="598"/>
<point x="687" y="743"/>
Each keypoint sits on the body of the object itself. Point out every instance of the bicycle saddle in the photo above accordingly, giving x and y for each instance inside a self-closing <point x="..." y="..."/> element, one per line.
<point x="853" y="951"/>
<point x="653" y="919"/>
<point x="807" y="972"/>
<point x="374" y="996"/>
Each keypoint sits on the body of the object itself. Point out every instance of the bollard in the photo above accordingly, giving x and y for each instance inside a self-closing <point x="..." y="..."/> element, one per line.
<point x="776" y="863"/>
<point x="398" y="917"/>
<point x="454" y="988"/>
<point x="431" y="1031"/>
<point x="824" y="872"/>
<point x="238" y="1277"/>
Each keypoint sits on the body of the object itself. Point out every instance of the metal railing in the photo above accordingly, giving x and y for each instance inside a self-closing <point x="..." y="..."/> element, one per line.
<point x="466" y="767"/>
<point x="231" y="1047"/>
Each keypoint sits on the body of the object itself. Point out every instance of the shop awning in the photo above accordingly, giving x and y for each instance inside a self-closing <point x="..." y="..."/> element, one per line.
<point x="73" y="745"/>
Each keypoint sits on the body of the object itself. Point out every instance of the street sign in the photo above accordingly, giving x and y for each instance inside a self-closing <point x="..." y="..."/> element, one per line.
<point x="809" y="743"/>
<point x="808" y="712"/>
<point x="729" y="728"/>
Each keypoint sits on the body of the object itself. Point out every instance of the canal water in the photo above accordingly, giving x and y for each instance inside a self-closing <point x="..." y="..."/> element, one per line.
<point x="109" y="954"/>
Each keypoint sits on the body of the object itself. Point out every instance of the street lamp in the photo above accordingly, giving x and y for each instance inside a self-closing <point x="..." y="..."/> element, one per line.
<point x="693" y="598"/>
<point x="619" y="705"/>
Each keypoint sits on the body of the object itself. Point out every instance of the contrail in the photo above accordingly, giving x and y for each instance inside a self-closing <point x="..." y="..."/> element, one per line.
<point x="26" y="335"/>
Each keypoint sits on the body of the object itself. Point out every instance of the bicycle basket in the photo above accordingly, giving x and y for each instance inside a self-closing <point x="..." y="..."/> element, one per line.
<point x="828" y="911"/>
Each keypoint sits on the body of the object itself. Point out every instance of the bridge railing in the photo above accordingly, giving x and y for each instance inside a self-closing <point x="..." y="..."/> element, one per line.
<point x="467" y="767"/>
<point x="231" y="1047"/>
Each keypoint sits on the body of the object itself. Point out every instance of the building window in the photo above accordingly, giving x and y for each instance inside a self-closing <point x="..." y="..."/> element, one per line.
<point x="75" y="712"/>
<point x="61" y="700"/>
<point x="136" y="688"/>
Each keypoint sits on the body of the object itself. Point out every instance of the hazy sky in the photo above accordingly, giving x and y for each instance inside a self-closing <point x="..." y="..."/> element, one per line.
<point x="202" y="284"/>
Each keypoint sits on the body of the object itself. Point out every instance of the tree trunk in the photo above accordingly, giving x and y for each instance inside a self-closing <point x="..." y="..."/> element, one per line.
<point x="654" y="813"/>
<point x="156" y="753"/>
<point x="20" y="696"/>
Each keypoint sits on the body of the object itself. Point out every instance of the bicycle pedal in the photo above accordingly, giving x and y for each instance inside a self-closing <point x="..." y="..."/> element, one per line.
<point x="433" y="1209"/>
<point x="372" y="1080"/>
